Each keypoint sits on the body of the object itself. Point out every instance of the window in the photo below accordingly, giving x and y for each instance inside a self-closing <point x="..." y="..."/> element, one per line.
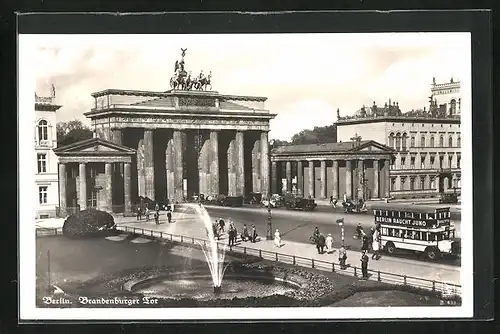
<point x="42" y="194"/>
<point x="391" y="140"/>
<point x="450" y="142"/>
<point x="453" y="107"/>
<point x="422" y="162"/>
<point x="412" y="184"/>
<point x="405" y="137"/>
<point x="393" y="183"/>
<point x="42" y="162"/>
<point x="398" y="142"/>
<point x="433" y="184"/>
<point x="93" y="199"/>
<point x="459" y="142"/>
<point x="432" y="161"/>
<point x="441" y="161"/>
<point x="432" y="141"/>
<point x="458" y="162"/>
<point x="43" y="130"/>
<point x="412" y="142"/>
<point x="422" y="141"/>
<point x="403" y="162"/>
<point x="441" y="141"/>
<point x="422" y="182"/>
<point x="412" y="162"/>
<point x="403" y="180"/>
<point x="450" y="160"/>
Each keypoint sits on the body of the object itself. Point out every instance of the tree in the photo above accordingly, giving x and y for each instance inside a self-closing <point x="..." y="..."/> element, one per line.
<point x="72" y="132"/>
<point x="318" y="135"/>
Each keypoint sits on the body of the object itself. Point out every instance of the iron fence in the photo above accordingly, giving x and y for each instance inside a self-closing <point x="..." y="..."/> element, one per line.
<point x="446" y="289"/>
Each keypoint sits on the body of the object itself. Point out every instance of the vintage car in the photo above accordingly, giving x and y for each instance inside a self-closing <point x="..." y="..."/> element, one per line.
<point x="253" y="198"/>
<point x="299" y="203"/>
<point x="275" y="201"/>
<point x="354" y="207"/>
<point x="448" y="198"/>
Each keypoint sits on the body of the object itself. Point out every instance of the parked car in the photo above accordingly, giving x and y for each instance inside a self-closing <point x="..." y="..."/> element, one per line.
<point x="253" y="198"/>
<point x="299" y="203"/>
<point x="275" y="201"/>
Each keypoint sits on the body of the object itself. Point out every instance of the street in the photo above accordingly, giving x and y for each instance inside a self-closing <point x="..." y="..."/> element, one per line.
<point x="298" y="226"/>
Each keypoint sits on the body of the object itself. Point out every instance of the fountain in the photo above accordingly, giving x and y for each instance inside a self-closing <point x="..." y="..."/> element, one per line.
<point x="213" y="255"/>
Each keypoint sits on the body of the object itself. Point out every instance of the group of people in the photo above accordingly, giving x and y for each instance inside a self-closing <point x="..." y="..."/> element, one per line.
<point x="156" y="215"/>
<point x="372" y="240"/>
<point x="326" y="243"/>
<point x="219" y="230"/>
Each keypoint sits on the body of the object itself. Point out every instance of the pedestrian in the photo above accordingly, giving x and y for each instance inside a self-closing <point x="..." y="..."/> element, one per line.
<point x="366" y="244"/>
<point x="146" y="213"/>
<point x="321" y="243"/>
<point x="329" y="243"/>
<point x="157" y="207"/>
<point x="342" y="257"/>
<point x="221" y="225"/>
<point x="139" y="213"/>
<point x="345" y="198"/>
<point x="231" y="235"/>
<point x="277" y="238"/>
<point x="215" y="230"/>
<point x="364" y="265"/>
<point x="254" y="234"/>
<point x="376" y="244"/>
<point x="244" y="235"/>
<point x="331" y="199"/>
<point x="169" y="215"/>
<point x="157" y="218"/>
<point x="335" y="201"/>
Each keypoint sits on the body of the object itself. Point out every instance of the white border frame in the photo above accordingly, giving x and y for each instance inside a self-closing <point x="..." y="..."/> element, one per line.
<point x="27" y="248"/>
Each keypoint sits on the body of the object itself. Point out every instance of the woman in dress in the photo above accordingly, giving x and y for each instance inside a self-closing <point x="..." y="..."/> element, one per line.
<point x="376" y="244"/>
<point x="277" y="238"/>
<point x="329" y="243"/>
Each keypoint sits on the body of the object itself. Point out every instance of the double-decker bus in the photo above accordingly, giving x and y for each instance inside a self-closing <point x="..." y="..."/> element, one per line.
<point x="428" y="231"/>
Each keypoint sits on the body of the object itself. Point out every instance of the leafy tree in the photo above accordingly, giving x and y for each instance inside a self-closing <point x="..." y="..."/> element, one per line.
<point x="318" y="135"/>
<point x="72" y="132"/>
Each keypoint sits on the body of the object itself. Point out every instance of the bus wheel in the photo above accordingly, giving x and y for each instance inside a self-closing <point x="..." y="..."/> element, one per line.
<point x="390" y="248"/>
<point x="432" y="253"/>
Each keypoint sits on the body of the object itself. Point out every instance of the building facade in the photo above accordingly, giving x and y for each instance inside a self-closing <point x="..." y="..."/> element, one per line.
<point x="355" y="169"/>
<point x="427" y="142"/>
<point x="46" y="179"/>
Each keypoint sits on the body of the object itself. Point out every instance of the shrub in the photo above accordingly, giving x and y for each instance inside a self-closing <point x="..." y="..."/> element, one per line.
<point x="88" y="223"/>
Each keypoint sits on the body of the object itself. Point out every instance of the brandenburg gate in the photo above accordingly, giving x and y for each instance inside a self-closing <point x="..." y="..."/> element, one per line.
<point x="185" y="141"/>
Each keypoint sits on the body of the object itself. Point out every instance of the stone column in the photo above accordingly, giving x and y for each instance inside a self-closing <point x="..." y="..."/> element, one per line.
<point x="116" y="136"/>
<point x="170" y="169"/>
<point x="274" y="178"/>
<point x="240" y="172"/>
<point x="141" y="175"/>
<point x="361" y="176"/>
<point x="127" y="189"/>
<point x="178" y="163"/>
<point x="264" y="165"/>
<point x="323" y="179"/>
<point x="204" y="166"/>
<point x="214" y="163"/>
<point x="231" y="168"/>
<point x="335" y="179"/>
<point x="288" y="168"/>
<point x="256" y="169"/>
<point x="376" y="179"/>
<point x="387" y="178"/>
<point x="149" y="164"/>
<point x="348" y="179"/>
<point x="108" y="171"/>
<point x="62" y="189"/>
<point x="300" y="178"/>
<point x="311" y="178"/>
<point x="82" y="201"/>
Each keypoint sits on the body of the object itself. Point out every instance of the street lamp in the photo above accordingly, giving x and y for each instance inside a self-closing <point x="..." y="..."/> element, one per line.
<point x="269" y="234"/>
<point x="340" y="222"/>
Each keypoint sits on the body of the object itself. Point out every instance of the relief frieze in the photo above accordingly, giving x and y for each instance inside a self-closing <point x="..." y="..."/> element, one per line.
<point x="185" y="101"/>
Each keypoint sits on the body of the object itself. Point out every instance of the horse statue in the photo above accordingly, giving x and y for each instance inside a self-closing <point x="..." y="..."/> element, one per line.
<point x="203" y="82"/>
<point x="178" y="81"/>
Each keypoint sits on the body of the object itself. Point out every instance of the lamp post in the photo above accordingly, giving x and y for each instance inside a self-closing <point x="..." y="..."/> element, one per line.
<point x="269" y="232"/>
<point x="340" y="222"/>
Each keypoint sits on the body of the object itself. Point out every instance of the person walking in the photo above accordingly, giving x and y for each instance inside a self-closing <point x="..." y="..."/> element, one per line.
<point x="245" y="236"/>
<point x="221" y="225"/>
<point x="139" y="213"/>
<point x="169" y="215"/>
<point x="329" y="243"/>
<point x="376" y="244"/>
<point x="277" y="238"/>
<point x="331" y="199"/>
<point x="366" y="244"/>
<point x="157" y="218"/>
<point x="231" y="235"/>
<point x="254" y="234"/>
<point x="321" y="243"/>
<point x="146" y="213"/>
<point x="364" y="265"/>
<point x="342" y="257"/>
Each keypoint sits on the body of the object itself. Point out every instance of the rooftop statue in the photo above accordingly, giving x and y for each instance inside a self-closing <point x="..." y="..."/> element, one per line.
<point x="183" y="80"/>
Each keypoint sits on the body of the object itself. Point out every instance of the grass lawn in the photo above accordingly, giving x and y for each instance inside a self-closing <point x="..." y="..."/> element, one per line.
<point x="76" y="261"/>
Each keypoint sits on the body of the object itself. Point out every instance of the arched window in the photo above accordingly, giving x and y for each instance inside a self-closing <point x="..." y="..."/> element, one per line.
<point x="398" y="142"/>
<point x="450" y="142"/>
<point x="459" y="142"/>
<point x="391" y="140"/>
<point x="405" y="137"/>
<point x="422" y="141"/>
<point x="441" y="141"/>
<point x="453" y="107"/>
<point x="412" y="142"/>
<point x="432" y="141"/>
<point x="43" y="133"/>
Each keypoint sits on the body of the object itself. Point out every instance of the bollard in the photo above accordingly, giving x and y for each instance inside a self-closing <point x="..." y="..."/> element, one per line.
<point x="355" y="272"/>
<point x="245" y="250"/>
<point x="161" y="235"/>
<point x="312" y="263"/>
<point x="193" y="240"/>
<point x="182" y="239"/>
<point x="171" y="237"/>
<point x="333" y="267"/>
<point x="142" y="231"/>
<point x="151" y="232"/>
<point x="260" y="253"/>
<point x="294" y="260"/>
<point x="433" y="286"/>
<point x="404" y="279"/>
<point x="378" y="276"/>
<point x="276" y="257"/>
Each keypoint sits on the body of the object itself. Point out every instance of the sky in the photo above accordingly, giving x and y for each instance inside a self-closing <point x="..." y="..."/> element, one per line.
<point x="305" y="77"/>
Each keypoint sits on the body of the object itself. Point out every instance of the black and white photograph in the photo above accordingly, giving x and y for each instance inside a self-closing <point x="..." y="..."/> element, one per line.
<point x="245" y="176"/>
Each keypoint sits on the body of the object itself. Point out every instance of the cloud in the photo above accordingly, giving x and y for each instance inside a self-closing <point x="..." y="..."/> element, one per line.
<point x="306" y="77"/>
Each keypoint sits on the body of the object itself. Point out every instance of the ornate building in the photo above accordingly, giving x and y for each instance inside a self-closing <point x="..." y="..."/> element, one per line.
<point x="356" y="169"/>
<point x="427" y="142"/>
<point x="167" y="145"/>
<point x="45" y="141"/>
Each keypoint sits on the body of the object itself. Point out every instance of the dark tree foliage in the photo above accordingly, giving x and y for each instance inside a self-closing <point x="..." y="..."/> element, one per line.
<point x="88" y="223"/>
<point x="72" y="132"/>
<point x="318" y="135"/>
